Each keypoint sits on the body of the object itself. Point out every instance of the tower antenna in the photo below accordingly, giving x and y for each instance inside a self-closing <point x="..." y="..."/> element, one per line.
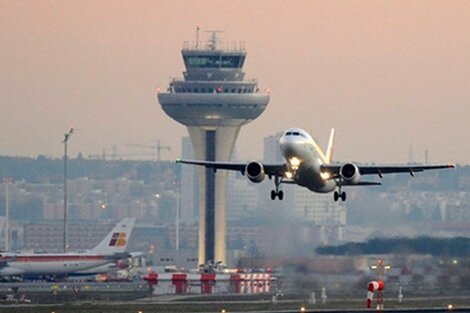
<point x="214" y="39"/>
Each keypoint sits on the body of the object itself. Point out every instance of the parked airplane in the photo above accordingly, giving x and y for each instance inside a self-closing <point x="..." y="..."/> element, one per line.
<point x="308" y="166"/>
<point x="109" y="250"/>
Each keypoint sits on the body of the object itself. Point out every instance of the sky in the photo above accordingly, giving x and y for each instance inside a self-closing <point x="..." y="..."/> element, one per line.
<point x="390" y="76"/>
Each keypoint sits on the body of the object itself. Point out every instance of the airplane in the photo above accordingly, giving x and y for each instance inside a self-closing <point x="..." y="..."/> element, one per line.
<point x="109" y="250"/>
<point x="308" y="166"/>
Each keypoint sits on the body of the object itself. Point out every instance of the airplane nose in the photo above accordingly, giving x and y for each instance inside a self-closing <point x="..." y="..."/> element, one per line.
<point x="287" y="147"/>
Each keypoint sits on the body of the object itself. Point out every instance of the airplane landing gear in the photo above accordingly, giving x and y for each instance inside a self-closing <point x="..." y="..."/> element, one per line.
<point x="276" y="192"/>
<point x="339" y="195"/>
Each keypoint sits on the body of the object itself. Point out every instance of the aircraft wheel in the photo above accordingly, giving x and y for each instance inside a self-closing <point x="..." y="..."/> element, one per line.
<point x="336" y="196"/>
<point x="273" y="195"/>
<point x="343" y="196"/>
<point x="280" y="194"/>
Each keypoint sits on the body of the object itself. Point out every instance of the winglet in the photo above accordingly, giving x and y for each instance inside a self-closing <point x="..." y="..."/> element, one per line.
<point x="330" y="148"/>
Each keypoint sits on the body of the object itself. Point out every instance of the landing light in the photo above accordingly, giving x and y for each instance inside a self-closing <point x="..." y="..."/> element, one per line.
<point x="289" y="175"/>
<point x="325" y="175"/>
<point x="294" y="163"/>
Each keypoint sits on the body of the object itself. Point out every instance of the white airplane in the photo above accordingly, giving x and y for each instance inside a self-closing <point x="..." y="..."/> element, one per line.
<point x="109" y="250"/>
<point x="308" y="166"/>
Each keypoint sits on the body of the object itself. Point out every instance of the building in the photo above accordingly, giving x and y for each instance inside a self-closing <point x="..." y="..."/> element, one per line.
<point x="43" y="237"/>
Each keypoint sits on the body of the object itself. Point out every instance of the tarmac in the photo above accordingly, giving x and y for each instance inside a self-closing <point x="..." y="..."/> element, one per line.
<point x="137" y="297"/>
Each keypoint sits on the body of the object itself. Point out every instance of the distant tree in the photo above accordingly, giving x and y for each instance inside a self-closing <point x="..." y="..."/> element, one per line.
<point x="446" y="247"/>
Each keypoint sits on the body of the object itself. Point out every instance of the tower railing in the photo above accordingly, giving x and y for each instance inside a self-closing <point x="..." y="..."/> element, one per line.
<point x="224" y="46"/>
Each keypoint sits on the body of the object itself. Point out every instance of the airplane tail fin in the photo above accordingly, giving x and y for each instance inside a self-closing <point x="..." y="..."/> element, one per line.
<point x="117" y="239"/>
<point x="330" y="148"/>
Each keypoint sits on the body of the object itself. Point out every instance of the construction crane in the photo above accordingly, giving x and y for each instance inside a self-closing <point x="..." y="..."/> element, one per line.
<point x="120" y="156"/>
<point x="158" y="148"/>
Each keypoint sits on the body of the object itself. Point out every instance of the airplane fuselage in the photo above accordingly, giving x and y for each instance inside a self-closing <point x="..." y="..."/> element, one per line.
<point x="304" y="159"/>
<point x="48" y="264"/>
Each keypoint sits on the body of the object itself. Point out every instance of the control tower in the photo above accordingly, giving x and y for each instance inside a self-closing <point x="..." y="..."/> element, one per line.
<point x="213" y="101"/>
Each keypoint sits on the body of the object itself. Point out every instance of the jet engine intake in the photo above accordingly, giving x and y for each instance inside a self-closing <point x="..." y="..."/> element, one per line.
<point x="255" y="171"/>
<point x="350" y="172"/>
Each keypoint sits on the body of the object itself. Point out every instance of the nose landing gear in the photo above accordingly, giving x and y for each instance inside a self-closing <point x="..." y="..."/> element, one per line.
<point x="276" y="192"/>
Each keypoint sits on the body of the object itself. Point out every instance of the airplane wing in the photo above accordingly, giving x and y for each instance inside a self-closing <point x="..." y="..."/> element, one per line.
<point x="362" y="183"/>
<point x="334" y="169"/>
<point x="118" y="256"/>
<point x="269" y="169"/>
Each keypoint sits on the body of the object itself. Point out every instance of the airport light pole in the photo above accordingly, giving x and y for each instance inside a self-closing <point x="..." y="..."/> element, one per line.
<point x="7" y="181"/>
<point x="66" y="139"/>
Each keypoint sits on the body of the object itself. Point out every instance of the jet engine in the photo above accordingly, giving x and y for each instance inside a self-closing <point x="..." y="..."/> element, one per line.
<point x="255" y="171"/>
<point x="350" y="172"/>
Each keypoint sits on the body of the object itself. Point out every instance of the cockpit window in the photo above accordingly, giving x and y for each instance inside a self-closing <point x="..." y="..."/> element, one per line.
<point x="288" y="133"/>
<point x="296" y="133"/>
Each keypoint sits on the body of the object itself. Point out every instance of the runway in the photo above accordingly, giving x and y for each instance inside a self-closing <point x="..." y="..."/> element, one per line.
<point x="130" y="297"/>
<point x="135" y="308"/>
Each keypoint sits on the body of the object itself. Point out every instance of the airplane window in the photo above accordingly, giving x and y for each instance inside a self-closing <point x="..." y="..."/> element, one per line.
<point x="288" y="134"/>
<point x="295" y="134"/>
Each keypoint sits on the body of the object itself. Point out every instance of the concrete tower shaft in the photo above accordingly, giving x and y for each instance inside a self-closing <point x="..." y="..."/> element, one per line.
<point x="213" y="101"/>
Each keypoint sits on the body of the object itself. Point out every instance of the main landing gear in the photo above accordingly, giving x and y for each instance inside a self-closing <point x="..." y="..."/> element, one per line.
<point x="339" y="195"/>
<point x="276" y="192"/>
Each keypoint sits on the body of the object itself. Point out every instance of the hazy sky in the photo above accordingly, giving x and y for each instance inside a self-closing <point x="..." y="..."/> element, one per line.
<point x="386" y="74"/>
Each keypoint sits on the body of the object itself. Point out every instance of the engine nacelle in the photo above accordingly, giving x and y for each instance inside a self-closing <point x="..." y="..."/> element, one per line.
<point x="255" y="171"/>
<point x="350" y="172"/>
